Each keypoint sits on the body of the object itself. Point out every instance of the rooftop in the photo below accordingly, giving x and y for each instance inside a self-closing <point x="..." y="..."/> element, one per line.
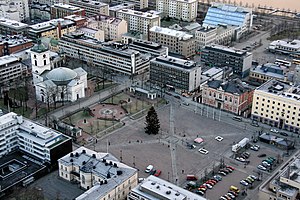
<point x="149" y="14"/>
<point x="227" y="49"/>
<point x="104" y="165"/>
<point x="174" y="62"/>
<point x="14" y="40"/>
<point x="121" y="6"/>
<point x="90" y="2"/>
<point x="52" y="24"/>
<point x="235" y="86"/>
<point x="166" y="31"/>
<point x="74" y="17"/>
<point x="156" y="189"/>
<point x="282" y="89"/>
<point x="12" y="23"/>
<point x="7" y="59"/>
<point x="67" y="7"/>
<point x="269" y="69"/>
<point x="108" y="19"/>
<point x="295" y="44"/>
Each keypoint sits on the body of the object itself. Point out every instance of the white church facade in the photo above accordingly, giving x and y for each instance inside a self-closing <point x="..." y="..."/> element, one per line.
<point x="55" y="85"/>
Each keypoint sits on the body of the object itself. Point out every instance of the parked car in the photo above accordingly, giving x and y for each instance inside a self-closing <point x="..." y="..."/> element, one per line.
<point x="229" y="167"/>
<point x="209" y="186"/>
<point x="219" y="138"/>
<point x="243" y="182"/>
<point x="246" y="154"/>
<point x="273" y="130"/>
<point x="240" y="159"/>
<point x="254" y="148"/>
<point x="218" y="177"/>
<point x="253" y="177"/>
<point x="149" y="168"/>
<point x="223" y="198"/>
<point x="265" y="164"/>
<point x="262" y="155"/>
<point x="203" y="151"/>
<point x="284" y="134"/>
<point x="158" y="172"/>
<point x="200" y="192"/>
<point x="231" y="195"/>
<point x="222" y="173"/>
<point x="261" y="167"/>
<point x="250" y="178"/>
<point x="152" y="172"/>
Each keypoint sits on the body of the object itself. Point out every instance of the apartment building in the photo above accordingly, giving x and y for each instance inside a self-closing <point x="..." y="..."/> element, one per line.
<point x="15" y="10"/>
<point x="231" y="96"/>
<point x="112" y="28"/>
<point x="285" y="47"/>
<point x="265" y="72"/>
<point x="101" y="174"/>
<point x="175" y="74"/>
<point x="277" y="103"/>
<point x="80" y="21"/>
<point x="43" y="143"/>
<point x="225" y="14"/>
<point x="11" y="69"/>
<point x="115" y="57"/>
<point x="62" y="10"/>
<point x="92" y="8"/>
<point x="92" y="33"/>
<point x="12" y="27"/>
<point x="155" y="188"/>
<point x="12" y="44"/>
<point x="114" y="9"/>
<point x="139" y="21"/>
<point x="147" y="47"/>
<point x="185" y="10"/>
<point x="222" y="35"/>
<point x="178" y="42"/>
<point x="283" y="184"/>
<point x="54" y="28"/>
<point x="221" y="56"/>
<point x="138" y="4"/>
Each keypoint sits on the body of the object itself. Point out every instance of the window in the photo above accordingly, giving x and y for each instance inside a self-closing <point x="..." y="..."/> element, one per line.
<point x="45" y="62"/>
<point x="35" y="63"/>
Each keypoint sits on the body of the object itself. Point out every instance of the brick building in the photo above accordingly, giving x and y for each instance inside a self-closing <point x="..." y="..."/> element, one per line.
<point x="12" y="44"/>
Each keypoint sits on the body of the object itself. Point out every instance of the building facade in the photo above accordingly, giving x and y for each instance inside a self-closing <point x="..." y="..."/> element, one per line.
<point x="285" y="47"/>
<point x="225" y="14"/>
<point x="147" y="47"/>
<point x="63" y="10"/>
<point x="178" y="42"/>
<point x="221" y="56"/>
<point x="277" y="103"/>
<point x="44" y="144"/>
<point x="112" y="28"/>
<point x="139" y="21"/>
<point x="92" y="8"/>
<point x="15" y="10"/>
<point x="112" y="57"/>
<point x="12" y="44"/>
<point x="185" y="10"/>
<point x="265" y="72"/>
<point x="114" y="9"/>
<point x="231" y="96"/>
<point x="175" y="74"/>
<point x="155" y="188"/>
<point x="101" y="174"/>
<point x="12" y="27"/>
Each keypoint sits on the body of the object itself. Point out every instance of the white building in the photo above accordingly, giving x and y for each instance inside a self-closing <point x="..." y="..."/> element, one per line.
<point x="14" y="9"/>
<point x="285" y="47"/>
<point x="101" y="174"/>
<point x="185" y="10"/>
<point x="154" y="188"/>
<point x="139" y="21"/>
<point x="92" y="33"/>
<point x="43" y="143"/>
<point x="59" y="84"/>
<point x="91" y="7"/>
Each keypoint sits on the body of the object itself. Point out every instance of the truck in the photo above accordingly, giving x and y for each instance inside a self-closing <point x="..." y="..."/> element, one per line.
<point x="240" y="145"/>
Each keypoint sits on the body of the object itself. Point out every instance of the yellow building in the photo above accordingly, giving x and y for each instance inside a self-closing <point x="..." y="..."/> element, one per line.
<point x="278" y="104"/>
<point x="101" y="174"/>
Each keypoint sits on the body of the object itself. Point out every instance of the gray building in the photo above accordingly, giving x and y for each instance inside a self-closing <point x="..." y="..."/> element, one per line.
<point x="115" y="57"/>
<point x="147" y="47"/>
<point x="221" y="56"/>
<point x="175" y="74"/>
<point x="11" y="69"/>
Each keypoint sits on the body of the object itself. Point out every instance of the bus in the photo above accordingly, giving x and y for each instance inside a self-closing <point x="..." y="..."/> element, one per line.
<point x="296" y="62"/>
<point x="283" y="62"/>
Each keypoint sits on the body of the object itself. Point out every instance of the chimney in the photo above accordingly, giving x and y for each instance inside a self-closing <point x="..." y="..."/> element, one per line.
<point x="58" y="30"/>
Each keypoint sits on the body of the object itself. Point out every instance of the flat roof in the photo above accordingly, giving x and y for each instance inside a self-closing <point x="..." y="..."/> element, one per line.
<point x="14" y="40"/>
<point x="295" y="44"/>
<point x="171" y="32"/>
<point x="226" y="49"/>
<point x="12" y="23"/>
<point x="74" y="17"/>
<point x="90" y="2"/>
<point x="187" y="65"/>
<point x="269" y="69"/>
<point x="212" y="71"/>
<point x="7" y="59"/>
<point x="149" y="14"/>
<point x="67" y="7"/>
<point x="121" y="6"/>
<point x="156" y="189"/>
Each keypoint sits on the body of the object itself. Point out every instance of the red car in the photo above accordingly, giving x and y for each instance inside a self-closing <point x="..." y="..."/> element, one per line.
<point x="229" y="167"/>
<point x="158" y="172"/>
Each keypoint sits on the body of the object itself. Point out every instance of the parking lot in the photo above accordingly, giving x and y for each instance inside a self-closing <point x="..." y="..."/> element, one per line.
<point x="135" y="148"/>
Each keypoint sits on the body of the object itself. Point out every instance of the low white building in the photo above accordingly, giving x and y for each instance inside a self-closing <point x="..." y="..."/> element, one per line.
<point x="92" y="33"/>
<point x="59" y="84"/>
<point x="285" y="47"/>
<point x="101" y="174"/>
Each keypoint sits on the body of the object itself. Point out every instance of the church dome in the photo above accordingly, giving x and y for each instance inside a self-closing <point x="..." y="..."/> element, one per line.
<point x="61" y="75"/>
<point x="39" y="47"/>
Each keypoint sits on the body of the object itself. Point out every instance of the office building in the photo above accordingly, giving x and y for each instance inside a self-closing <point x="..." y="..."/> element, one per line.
<point x="92" y="8"/>
<point x="138" y="4"/>
<point x="80" y="21"/>
<point x="101" y="174"/>
<point x="285" y="47"/>
<point x="185" y="10"/>
<point x="139" y="21"/>
<point x="15" y="10"/>
<point x="54" y="28"/>
<point x="14" y="43"/>
<point x="221" y="56"/>
<point x="213" y="73"/>
<point x="42" y="143"/>
<point x="12" y="27"/>
<point x="223" y="14"/>
<point x="115" y="57"/>
<point x="175" y="74"/>
<point x="231" y="96"/>
<point x="147" y="47"/>
<point x="206" y="36"/>
<point x="265" y="72"/>
<point x="40" y="11"/>
<point x="112" y="28"/>
<point x="114" y="9"/>
<point x="284" y="183"/>
<point x="277" y="103"/>
<point x="11" y="69"/>
<point x="154" y="188"/>
<point x="62" y="10"/>
<point x="178" y="42"/>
